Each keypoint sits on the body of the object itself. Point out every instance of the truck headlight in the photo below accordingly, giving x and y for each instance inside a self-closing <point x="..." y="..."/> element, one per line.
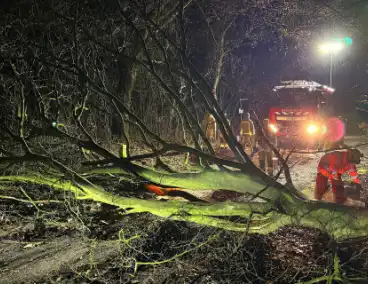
<point x="312" y="129"/>
<point x="273" y="128"/>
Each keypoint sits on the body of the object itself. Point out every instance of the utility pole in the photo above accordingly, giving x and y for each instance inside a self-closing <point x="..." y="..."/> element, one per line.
<point x="331" y="68"/>
<point x="334" y="47"/>
<point x="241" y="109"/>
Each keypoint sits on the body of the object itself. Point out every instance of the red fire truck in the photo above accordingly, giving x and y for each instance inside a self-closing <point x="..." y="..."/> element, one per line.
<point x="298" y="113"/>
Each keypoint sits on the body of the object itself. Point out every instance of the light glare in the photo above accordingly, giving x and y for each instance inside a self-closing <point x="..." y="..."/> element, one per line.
<point x="331" y="47"/>
<point x="312" y="128"/>
<point x="324" y="129"/>
<point x="273" y="128"/>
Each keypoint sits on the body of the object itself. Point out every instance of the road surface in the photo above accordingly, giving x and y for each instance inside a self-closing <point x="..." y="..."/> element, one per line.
<point x="304" y="166"/>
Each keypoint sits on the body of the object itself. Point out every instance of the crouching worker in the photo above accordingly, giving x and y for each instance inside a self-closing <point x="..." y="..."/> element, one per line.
<point x="331" y="167"/>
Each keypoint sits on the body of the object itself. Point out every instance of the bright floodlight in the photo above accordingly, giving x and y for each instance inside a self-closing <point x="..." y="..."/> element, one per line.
<point x="273" y="128"/>
<point x="312" y="128"/>
<point x="331" y="47"/>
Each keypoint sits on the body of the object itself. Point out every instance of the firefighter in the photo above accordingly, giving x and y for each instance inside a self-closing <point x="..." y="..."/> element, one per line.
<point x="265" y="152"/>
<point x="331" y="167"/>
<point x="223" y="144"/>
<point x="210" y="126"/>
<point x="247" y="132"/>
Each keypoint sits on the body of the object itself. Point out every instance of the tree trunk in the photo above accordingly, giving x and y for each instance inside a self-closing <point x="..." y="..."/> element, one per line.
<point x="283" y="207"/>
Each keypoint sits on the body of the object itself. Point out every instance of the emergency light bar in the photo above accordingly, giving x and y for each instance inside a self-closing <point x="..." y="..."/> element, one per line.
<point x="328" y="90"/>
<point x="302" y="84"/>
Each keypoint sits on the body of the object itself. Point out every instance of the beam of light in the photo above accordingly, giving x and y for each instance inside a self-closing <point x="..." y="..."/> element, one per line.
<point x="331" y="47"/>
<point x="273" y="128"/>
<point x="324" y="129"/>
<point x="312" y="129"/>
<point x="328" y="89"/>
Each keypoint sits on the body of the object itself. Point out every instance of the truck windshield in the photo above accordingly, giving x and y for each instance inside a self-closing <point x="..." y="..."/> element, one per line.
<point x="295" y="98"/>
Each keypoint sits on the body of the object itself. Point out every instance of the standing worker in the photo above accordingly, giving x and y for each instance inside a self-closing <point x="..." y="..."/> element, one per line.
<point x="331" y="167"/>
<point x="210" y="127"/>
<point x="223" y="144"/>
<point x="265" y="152"/>
<point x="247" y="132"/>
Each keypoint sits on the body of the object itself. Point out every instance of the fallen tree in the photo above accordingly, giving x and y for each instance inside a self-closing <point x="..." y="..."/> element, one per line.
<point x="59" y="97"/>
<point x="277" y="207"/>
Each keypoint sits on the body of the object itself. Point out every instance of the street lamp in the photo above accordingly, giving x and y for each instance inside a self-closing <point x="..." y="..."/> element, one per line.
<point x="332" y="48"/>
<point x="241" y="109"/>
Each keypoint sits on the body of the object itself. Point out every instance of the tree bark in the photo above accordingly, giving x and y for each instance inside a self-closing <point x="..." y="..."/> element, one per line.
<point x="283" y="208"/>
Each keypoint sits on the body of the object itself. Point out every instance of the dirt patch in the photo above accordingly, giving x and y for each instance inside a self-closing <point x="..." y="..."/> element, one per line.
<point x="24" y="262"/>
<point x="172" y="252"/>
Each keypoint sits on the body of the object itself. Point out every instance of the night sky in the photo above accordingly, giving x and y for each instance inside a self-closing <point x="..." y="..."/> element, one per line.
<point x="276" y="57"/>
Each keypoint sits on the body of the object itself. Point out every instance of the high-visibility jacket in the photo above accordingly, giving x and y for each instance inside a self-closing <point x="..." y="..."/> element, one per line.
<point x="210" y="127"/>
<point x="334" y="164"/>
<point x="247" y="127"/>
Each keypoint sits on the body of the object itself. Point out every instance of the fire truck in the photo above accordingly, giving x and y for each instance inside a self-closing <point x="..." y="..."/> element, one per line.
<point x="298" y="112"/>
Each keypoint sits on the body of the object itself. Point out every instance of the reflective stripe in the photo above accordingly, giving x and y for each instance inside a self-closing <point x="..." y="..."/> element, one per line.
<point x="335" y="164"/>
<point x="356" y="180"/>
<point x="330" y="170"/>
<point x="335" y="177"/>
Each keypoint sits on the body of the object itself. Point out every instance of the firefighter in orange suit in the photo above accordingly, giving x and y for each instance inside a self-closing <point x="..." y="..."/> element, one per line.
<point x="331" y="167"/>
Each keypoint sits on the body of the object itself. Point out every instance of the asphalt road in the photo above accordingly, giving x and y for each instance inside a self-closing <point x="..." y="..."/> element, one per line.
<point x="304" y="166"/>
